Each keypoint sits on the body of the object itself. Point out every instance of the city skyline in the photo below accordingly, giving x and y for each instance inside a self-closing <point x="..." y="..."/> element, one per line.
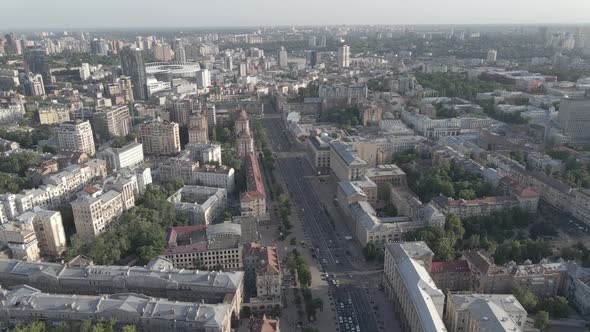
<point x="66" y="14"/>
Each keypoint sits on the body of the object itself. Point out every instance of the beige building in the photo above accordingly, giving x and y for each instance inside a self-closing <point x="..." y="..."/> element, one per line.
<point x="75" y="137"/>
<point x="387" y="175"/>
<point x="21" y="240"/>
<point x="160" y="138"/>
<point x="417" y="301"/>
<point x="484" y="312"/>
<point x="111" y="122"/>
<point x="262" y="272"/>
<point x="95" y="210"/>
<point x="319" y="150"/>
<point x="344" y="163"/>
<point x="53" y="115"/>
<point x="253" y="201"/>
<point x="198" y="131"/>
<point x="209" y="247"/>
<point x="49" y="230"/>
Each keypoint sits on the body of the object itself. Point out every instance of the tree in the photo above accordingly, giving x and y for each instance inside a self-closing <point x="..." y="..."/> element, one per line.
<point x="556" y="306"/>
<point x="542" y="320"/>
<point x="129" y="328"/>
<point x="528" y="300"/>
<point x="318" y="303"/>
<point x="31" y="327"/>
<point x="293" y="242"/>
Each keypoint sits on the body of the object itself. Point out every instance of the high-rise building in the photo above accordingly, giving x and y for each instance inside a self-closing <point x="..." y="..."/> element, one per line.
<point x="315" y="58"/>
<point x="312" y="41"/>
<point x="243" y="69"/>
<point x="163" y="52"/>
<point x="99" y="47"/>
<point x="283" y="57"/>
<point x="160" y="137"/>
<point x="203" y="78"/>
<point x="125" y="88"/>
<point x="132" y="65"/>
<point x="179" y="51"/>
<point x="112" y="122"/>
<point x="344" y="56"/>
<point x="75" y="137"/>
<point x="574" y="120"/>
<point x="84" y="71"/>
<point x="229" y="62"/>
<point x="36" y="63"/>
<point x="322" y="42"/>
<point x="492" y="56"/>
<point x="33" y="85"/>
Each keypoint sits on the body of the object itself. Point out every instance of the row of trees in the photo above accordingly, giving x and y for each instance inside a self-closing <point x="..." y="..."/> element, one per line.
<point x="140" y="232"/>
<point x="13" y="168"/>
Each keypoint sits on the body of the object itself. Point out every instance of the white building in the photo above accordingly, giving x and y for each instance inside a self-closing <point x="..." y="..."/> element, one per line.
<point x="417" y="300"/>
<point x="484" y="312"/>
<point x="344" y="56"/>
<point x="95" y="210"/>
<point x="129" y="155"/>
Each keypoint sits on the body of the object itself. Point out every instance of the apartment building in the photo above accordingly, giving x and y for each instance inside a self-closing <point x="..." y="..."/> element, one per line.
<point x="160" y="138"/>
<point x="21" y="240"/>
<point x="192" y="174"/>
<point x="157" y="279"/>
<point x="130" y="155"/>
<point x="148" y="314"/>
<point x="75" y="137"/>
<point x="209" y="247"/>
<point x="111" y="122"/>
<point x="95" y="210"/>
<point x="319" y="150"/>
<point x="205" y="153"/>
<point x="49" y="231"/>
<point x="201" y="205"/>
<point x="198" y="130"/>
<point x="262" y="272"/>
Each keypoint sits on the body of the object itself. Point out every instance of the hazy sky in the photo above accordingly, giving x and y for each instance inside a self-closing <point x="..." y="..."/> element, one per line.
<point x="22" y="14"/>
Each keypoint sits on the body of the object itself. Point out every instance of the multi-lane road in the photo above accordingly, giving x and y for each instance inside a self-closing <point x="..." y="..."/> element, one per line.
<point x="353" y="310"/>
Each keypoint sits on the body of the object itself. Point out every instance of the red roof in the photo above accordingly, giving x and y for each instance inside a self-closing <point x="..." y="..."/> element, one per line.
<point x="454" y="266"/>
<point x="267" y="254"/>
<point x="173" y="232"/>
<point x="254" y="186"/>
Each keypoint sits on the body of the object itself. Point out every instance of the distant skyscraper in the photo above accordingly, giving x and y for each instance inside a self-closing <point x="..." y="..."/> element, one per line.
<point x="243" y="69"/>
<point x="139" y="42"/>
<point x="344" y="56"/>
<point x="312" y="41"/>
<point x="203" y="78"/>
<point x="179" y="51"/>
<point x="282" y="57"/>
<point x="574" y="120"/>
<point x="99" y="47"/>
<point x="322" y="42"/>
<point x="132" y="65"/>
<point x="229" y="62"/>
<point x="33" y="85"/>
<point x="315" y="58"/>
<point x="36" y="63"/>
<point x="492" y="56"/>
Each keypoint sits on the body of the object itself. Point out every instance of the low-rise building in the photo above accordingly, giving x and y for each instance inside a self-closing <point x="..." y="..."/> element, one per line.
<point x="25" y="304"/>
<point x="210" y="247"/>
<point x="262" y="272"/>
<point x="53" y="115"/>
<point x="191" y="174"/>
<point x="484" y="312"/>
<point x="157" y="279"/>
<point x="21" y="240"/>
<point x="201" y="205"/>
<point x="453" y="276"/>
<point x="253" y="201"/>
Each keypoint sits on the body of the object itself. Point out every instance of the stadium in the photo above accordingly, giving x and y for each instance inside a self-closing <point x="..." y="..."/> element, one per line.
<point x="166" y="71"/>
